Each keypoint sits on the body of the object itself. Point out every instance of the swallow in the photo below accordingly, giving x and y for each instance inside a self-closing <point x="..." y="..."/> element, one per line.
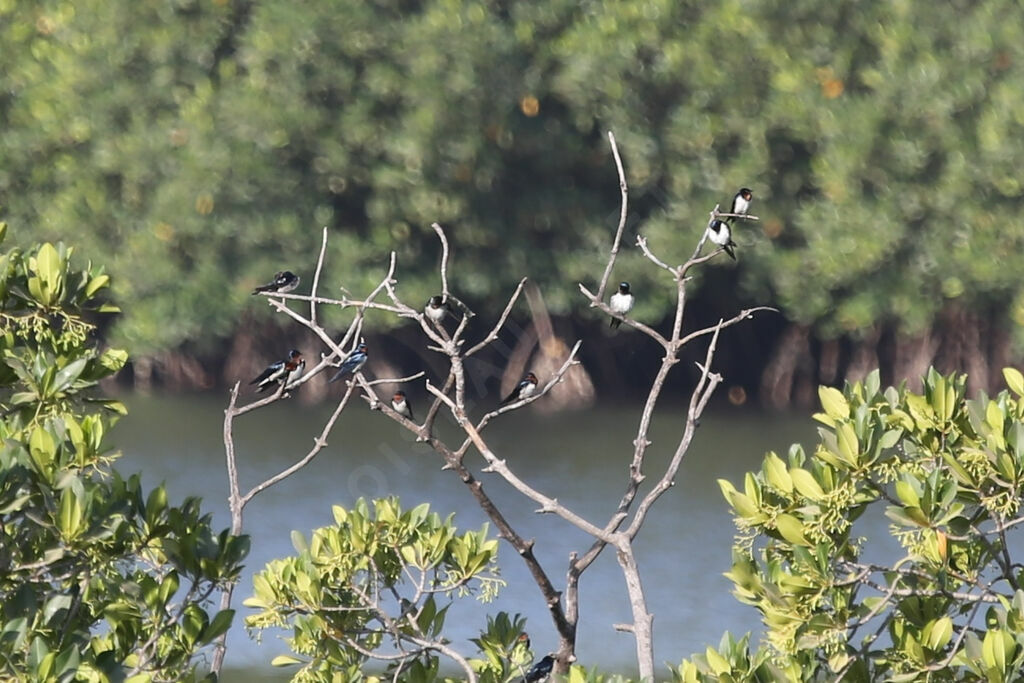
<point x="621" y="303"/>
<point x="437" y="308"/>
<point x="284" y="281"/>
<point x="525" y="389"/>
<point x="540" y="670"/>
<point x="522" y="639"/>
<point x="283" y="371"/>
<point x="353" y="363"/>
<point x="401" y="405"/>
<point x="719" y="233"/>
<point x="741" y="202"/>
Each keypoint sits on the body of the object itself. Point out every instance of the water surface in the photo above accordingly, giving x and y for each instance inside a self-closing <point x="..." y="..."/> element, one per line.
<point x="579" y="458"/>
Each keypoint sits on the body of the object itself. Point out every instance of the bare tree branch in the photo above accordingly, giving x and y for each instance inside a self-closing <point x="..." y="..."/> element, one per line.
<point x="624" y="192"/>
<point x="444" y="260"/>
<point x="493" y="334"/>
<point x="706" y="386"/>
<point x="318" y="445"/>
<point x="316" y="277"/>
<point x="641" y="242"/>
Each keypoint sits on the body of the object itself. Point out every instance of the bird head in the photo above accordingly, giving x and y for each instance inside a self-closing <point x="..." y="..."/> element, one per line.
<point x="294" y="354"/>
<point x="624" y="288"/>
<point x="398" y="397"/>
<point x="530" y="377"/>
<point x="746" y="193"/>
<point x="436" y="301"/>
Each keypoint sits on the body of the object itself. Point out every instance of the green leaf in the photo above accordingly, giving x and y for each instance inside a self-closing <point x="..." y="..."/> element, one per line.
<point x="849" y="447"/>
<point x="940" y="634"/>
<point x="193" y="622"/>
<point x="806" y="484"/>
<point x="48" y="269"/>
<point x="69" y="518"/>
<point x="285" y="660"/>
<point x="778" y="476"/>
<point x="792" y="529"/>
<point x="68" y="374"/>
<point x="114" y="359"/>
<point x="220" y="625"/>
<point x="156" y="504"/>
<point x="890" y="438"/>
<point x="994" y="648"/>
<point x="906" y="492"/>
<point x="168" y="587"/>
<point x="907" y="516"/>
<point x="1014" y="380"/>
<point x="743" y="505"/>
<point x="96" y="284"/>
<point x="834" y="403"/>
<point x="42" y="448"/>
<point x="299" y="541"/>
<point x="717" y="662"/>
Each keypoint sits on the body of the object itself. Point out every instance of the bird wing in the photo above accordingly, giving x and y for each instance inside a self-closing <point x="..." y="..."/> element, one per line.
<point x="269" y="372"/>
<point x="514" y="394"/>
<point x="348" y="365"/>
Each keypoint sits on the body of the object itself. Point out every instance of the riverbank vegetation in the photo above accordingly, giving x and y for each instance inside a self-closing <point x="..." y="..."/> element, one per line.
<point x="99" y="579"/>
<point x="199" y="147"/>
<point x="104" y="580"/>
<point x="946" y="470"/>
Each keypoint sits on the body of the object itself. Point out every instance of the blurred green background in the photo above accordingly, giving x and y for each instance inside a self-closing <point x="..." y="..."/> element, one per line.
<point x="197" y="146"/>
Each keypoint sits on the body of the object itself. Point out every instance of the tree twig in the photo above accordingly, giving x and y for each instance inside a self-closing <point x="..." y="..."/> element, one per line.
<point x="316" y="277"/>
<point x="624" y="192"/>
<point x="444" y="260"/>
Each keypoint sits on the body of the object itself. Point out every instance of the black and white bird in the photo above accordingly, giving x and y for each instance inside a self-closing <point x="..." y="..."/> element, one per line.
<point x="401" y="405"/>
<point x="741" y="202"/>
<point x="437" y="308"/>
<point x="525" y="389"/>
<point x="284" y="281"/>
<point x="720" y="234"/>
<point x="352" y="363"/>
<point x="283" y="371"/>
<point x="540" y="670"/>
<point x="621" y="303"/>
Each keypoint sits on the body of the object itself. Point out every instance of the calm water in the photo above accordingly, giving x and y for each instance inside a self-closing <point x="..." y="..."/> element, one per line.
<point x="579" y="458"/>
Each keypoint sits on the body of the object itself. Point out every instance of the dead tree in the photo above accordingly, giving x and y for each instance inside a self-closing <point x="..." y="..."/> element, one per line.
<point x="627" y="518"/>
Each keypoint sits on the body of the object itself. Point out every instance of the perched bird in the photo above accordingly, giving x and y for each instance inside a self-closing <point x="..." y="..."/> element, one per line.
<point x="522" y="639"/>
<point x="719" y="233"/>
<point x="621" y="302"/>
<point x="353" y="363"/>
<point x="540" y="670"/>
<point x="284" y="281"/>
<point x="437" y="308"/>
<point x="283" y="371"/>
<point x="741" y="202"/>
<point x="525" y="389"/>
<point x="401" y="405"/>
